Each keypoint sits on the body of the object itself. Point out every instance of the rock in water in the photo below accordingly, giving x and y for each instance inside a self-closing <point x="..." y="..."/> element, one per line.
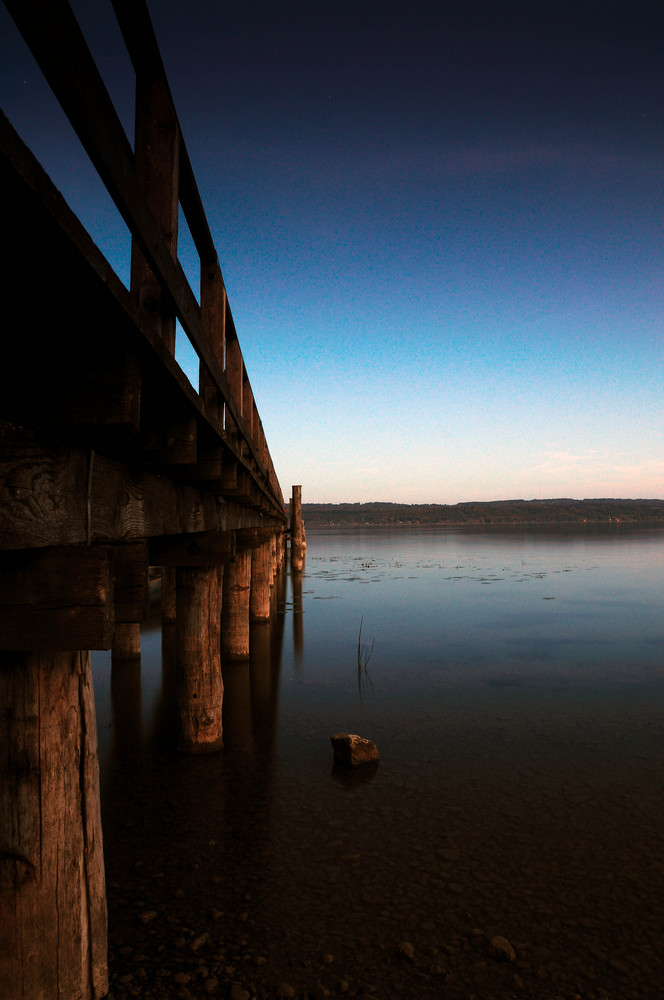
<point x="351" y="750"/>
<point x="501" y="949"/>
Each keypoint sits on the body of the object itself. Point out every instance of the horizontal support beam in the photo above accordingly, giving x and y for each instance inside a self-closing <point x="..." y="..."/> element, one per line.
<point x="55" y="495"/>
<point x="57" y="599"/>
<point x="251" y="538"/>
<point x="207" y="548"/>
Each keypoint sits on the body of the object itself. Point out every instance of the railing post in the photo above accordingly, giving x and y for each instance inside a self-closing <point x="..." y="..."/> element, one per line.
<point x="234" y="374"/>
<point x="213" y="320"/>
<point x="156" y="157"/>
<point x="247" y="404"/>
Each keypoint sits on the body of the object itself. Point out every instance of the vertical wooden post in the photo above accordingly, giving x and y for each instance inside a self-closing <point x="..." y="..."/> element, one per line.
<point x="298" y="541"/>
<point x="281" y="549"/>
<point x="126" y="641"/>
<point x="157" y="160"/>
<point x="248" y="409"/>
<point x="235" y="376"/>
<point x="235" y="610"/>
<point x="168" y="595"/>
<point x="274" y="571"/>
<point x="280" y="580"/>
<point x="213" y="321"/>
<point x="52" y="886"/>
<point x="200" y="686"/>
<point x="261" y="582"/>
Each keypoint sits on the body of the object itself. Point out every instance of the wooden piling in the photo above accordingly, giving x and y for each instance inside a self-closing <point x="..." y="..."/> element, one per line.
<point x="53" y="922"/>
<point x="168" y="594"/>
<point x="200" y="687"/>
<point x="126" y="641"/>
<point x="298" y="539"/>
<point x="261" y="582"/>
<point x="280" y="550"/>
<point x="81" y="512"/>
<point x="235" y="609"/>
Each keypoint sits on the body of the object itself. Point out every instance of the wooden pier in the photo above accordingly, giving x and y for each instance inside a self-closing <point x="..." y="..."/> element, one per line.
<point x="111" y="462"/>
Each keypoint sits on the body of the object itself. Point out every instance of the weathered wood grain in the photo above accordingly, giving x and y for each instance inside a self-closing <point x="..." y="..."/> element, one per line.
<point x="262" y="572"/>
<point x="52" y="884"/>
<point x="126" y="642"/>
<point x="235" y="608"/>
<point x="57" y="598"/>
<point x="58" y="495"/>
<point x="206" y="548"/>
<point x="43" y="496"/>
<point x="199" y="683"/>
<point x="131" y="579"/>
<point x="298" y="537"/>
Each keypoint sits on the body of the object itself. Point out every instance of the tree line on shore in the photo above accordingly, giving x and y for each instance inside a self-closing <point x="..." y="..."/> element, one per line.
<point x="482" y="512"/>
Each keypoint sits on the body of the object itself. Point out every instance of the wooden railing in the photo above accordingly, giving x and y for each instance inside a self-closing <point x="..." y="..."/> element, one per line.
<point x="148" y="185"/>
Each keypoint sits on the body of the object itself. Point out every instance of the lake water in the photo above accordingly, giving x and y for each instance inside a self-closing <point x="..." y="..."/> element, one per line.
<point x="513" y="680"/>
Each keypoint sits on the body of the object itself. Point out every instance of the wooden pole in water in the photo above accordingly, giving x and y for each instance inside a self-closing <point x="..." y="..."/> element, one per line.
<point x="298" y="540"/>
<point x="261" y="582"/>
<point x="126" y="641"/>
<point x="52" y="901"/>
<point x="235" y="609"/>
<point x="200" y="688"/>
<point x="167" y="595"/>
<point x="280" y="548"/>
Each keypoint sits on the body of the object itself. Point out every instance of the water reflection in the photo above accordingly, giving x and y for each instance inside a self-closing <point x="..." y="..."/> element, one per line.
<point x="296" y="577"/>
<point x="126" y="707"/>
<point x="516" y="694"/>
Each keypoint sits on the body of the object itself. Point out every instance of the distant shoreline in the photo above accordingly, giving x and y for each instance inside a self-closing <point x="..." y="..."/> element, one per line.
<point x="558" y="511"/>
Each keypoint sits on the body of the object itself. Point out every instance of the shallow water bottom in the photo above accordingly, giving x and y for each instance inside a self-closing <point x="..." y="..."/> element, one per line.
<point x="516" y="695"/>
<point x="263" y="871"/>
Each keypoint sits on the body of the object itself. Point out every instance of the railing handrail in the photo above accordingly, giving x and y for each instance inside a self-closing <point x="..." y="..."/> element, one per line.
<point x="52" y="33"/>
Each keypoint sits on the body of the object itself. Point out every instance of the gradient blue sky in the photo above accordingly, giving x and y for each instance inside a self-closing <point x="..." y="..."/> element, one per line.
<point x="440" y="226"/>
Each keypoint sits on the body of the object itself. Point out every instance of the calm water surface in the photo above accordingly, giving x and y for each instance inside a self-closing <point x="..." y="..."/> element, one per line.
<point x="514" y="684"/>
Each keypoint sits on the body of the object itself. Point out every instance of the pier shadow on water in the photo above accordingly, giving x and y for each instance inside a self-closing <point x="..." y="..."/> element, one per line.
<point x="515" y="797"/>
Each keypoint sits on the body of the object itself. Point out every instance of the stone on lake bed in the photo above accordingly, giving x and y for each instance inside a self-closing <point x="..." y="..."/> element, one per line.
<point x="352" y="750"/>
<point x="501" y="949"/>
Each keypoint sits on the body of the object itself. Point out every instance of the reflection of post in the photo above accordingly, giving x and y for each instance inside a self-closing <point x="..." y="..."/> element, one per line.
<point x="165" y="716"/>
<point x="266" y="648"/>
<point x="298" y="631"/>
<point x="126" y="707"/>
<point x="237" y="716"/>
<point x="200" y="687"/>
<point x="53" y="907"/>
<point x="298" y="541"/>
